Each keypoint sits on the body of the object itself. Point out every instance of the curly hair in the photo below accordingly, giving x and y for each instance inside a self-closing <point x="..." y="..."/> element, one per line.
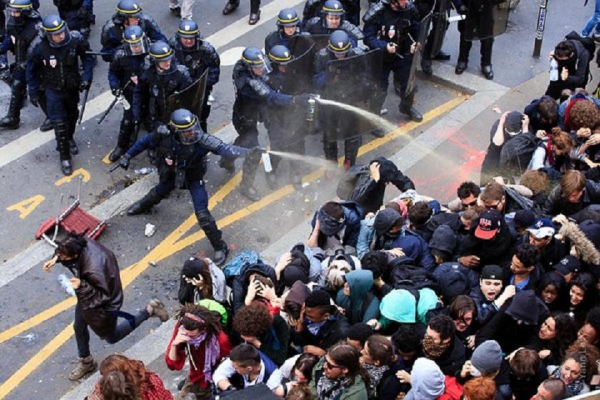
<point x="587" y="356"/>
<point x="537" y="181"/>
<point x="253" y="320"/>
<point x="561" y="140"/>
<point x="566" y="333"/>
<point x="376" y="262"/>
<point x="133" y="371"/>
<point x="71" y="246"/>
<point x="115" y="386"/>
<point x="467" y="189"/>
<point x="480" y="389"/>
<point x="528" y="254"/>
<point x="584" y="114"/>
<point x="192" y="317"/>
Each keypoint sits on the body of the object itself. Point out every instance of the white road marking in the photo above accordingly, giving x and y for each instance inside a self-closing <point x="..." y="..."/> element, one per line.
<point x="231" y="56"/>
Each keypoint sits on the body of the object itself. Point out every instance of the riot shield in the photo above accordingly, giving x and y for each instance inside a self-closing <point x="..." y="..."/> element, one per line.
<point x="440" y="26"/>
<point x="412" y="76"/>
<point x="300" y="44"/>
<point x="191" y="98"/>
<point x="299" y="73"/>
<point x="485" y="19"/>
<point x="353" y="81"/>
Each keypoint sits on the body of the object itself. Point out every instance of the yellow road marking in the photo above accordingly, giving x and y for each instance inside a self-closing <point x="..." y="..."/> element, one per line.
<point x="25" y="207"/>
<point x="172" y="244"/>
<point x="85" y="175"/>
<point x="105" y="159"/>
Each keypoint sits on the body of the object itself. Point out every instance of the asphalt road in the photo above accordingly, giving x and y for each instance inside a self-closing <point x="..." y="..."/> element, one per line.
<point x="39" y="351"/>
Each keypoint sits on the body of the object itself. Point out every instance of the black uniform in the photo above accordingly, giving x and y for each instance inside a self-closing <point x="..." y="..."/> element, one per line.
<point x="78" y="14"/>
<point x="317" y="26"/>
<point x="112" y="33"/>
<point x="198" y="59"/>
<point x="312" y="9"/>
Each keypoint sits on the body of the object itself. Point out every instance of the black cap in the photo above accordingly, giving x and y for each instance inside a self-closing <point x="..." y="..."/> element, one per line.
<point x="491" y="272"/>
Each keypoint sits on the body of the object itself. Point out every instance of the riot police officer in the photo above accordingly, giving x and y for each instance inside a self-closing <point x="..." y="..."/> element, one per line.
<point x="163" y="78"/>
<point x="124" y="73"/>
<point x="22" y="29"/>
<point x="54" y="62"/>
<point x="313" y="7"/>
<point x="393" y="26"/>
<point x="181" y="150"/>
<point x="78" y="14"/>
<point x="288" y="25"/>
<point x="252" y="95"/>
<point x="332" y="19"/>
<point x="197" y="55"/>
<point x="439" y="26"/>
<point x="128" y="13"/>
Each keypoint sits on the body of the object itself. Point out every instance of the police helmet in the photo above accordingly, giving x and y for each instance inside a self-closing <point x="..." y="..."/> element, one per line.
<point x="333" y="7"/>
<point x="53" y="25"/>
<point x="22" y="6"/>
<point x="185" y="124"/>
<point x="128" y="9"/>
<point x="189" y="30"/>
<point x="280" y="54"/>
<point x="339" y="42"/>
<point x="160" y="51"/>
<point x="288" y="17"/>
<point x="253" y="57"/>
<point x="135" y="41"/>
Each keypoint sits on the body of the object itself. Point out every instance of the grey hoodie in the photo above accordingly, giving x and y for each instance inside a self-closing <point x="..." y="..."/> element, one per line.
<point x="427" y="381"/>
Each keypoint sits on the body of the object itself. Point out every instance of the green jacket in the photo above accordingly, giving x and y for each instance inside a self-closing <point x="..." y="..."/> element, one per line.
<point x="358" y="390"/>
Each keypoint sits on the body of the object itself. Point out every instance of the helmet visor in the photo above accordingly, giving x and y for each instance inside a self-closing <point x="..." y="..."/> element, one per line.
<point x="137" y="47"/>
<point x="188" y="134"/>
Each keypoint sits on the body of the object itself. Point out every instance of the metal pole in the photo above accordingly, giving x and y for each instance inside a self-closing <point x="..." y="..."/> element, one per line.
<point x="541" y="25"/>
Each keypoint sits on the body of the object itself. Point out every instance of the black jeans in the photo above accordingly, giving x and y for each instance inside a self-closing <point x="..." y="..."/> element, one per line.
<point x="119" y="331"/>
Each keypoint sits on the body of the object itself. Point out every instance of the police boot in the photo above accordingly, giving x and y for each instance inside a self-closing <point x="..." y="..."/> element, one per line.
<point x="272" y="180"/>
<point x="463" y="56"/>
<point x="214" y="236"/>
<point x="486" y="58"/>
<point x="17" y="96"/>
<point x="123" y="141"/>
<point x="85" y="366"/>
<point x="62" y="145"/>
<point x="72" y="145"/>
<point x="231" y="6"/>
<point x="407" y="108"/>
<point x="426" y="66"/>
<point x="145" y="204"/>
<point x="228" y="164"/>
<point x="249" y="174"/>
<point x="46" y="125"/>
<point x="351" y="147"/>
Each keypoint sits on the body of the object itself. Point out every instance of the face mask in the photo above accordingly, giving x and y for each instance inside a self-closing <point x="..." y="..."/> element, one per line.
<point x="314" y="327"/>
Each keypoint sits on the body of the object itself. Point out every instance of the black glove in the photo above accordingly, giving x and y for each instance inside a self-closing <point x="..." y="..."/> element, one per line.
<point x="303" y="98"/>
<point x="124" y="161"/>
<point x="34" y="99"/>
<point x="84" y="85"/>
<point x="163" y="130"/>
<point x="117" y="92"/>
<point x="462" y="10"/>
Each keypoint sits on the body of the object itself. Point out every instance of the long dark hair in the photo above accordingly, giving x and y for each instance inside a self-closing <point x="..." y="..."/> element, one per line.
<point x="348" y="357"/>
<point x="192" y="268"/>
<point x="566" y="333"/>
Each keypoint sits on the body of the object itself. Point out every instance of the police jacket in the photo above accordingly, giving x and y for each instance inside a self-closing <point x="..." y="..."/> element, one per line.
<point x="384" y="25"/>
<point x="18" y="38"/>
<point x="112" y="33"/>
<point x="278" y="37"/>
<point x="58" y="67"/>
<point x="100" y="295"/>
<point x="252" y="93"/>
<point x="73" y="5"/>
<point x="316" y="26"/>
<point x="202" y="57"/>
<point x="190" y="158"/>
<point x="125" y="68"/>
<point x="160" y="86"/>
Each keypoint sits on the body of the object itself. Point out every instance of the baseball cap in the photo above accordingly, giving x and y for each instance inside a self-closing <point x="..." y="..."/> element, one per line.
<point x="489" y="224"/>
<point x="542" y="228"/>
<point x="491" y="272"/>
<point x="567" y="265"/>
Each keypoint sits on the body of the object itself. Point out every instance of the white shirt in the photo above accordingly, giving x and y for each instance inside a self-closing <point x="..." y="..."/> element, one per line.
<point x="226" y="371"/>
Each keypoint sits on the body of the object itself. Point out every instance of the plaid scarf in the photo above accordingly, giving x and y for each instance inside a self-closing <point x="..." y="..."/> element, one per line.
<point x="330" y="390"/>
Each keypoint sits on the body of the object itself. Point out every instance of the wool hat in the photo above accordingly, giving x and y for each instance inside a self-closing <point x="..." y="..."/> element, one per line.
<point x="487" y="357"/>
<point x="523" y="219"/>
<point x="384" y="220"/>
<point x="489" y="224"/>
<point x="524" y="308"/>
<point x="443" y="239"/>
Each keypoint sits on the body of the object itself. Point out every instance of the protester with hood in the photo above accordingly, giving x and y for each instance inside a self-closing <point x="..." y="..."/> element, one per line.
<point x="336" y="224"/>
<point x="201" y="279"/>
<point x="357" y="298"/>
<point x="245" y="286"/>
<point x="517" y="324"/>
<point x="427" y="381"/>
<point x="293" y="301"/>
<point x="377" y="263"/>
<point x="573" y="61"/>
<point x="367" y="229"/>
<point x="369" y="189"/>
<point x="299" y="264"/>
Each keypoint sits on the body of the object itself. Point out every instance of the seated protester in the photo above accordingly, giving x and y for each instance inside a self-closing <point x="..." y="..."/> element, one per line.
<point x="441" y="345"/>
<point x="463" y="312"/>
<point x="488" y="362"/>
<point x="556" y="334"/>
<point x="201" y="279"/>
<point x="381" y="364"/>
<point x="579" y="113"/>
<point x="467" y="195"/>
<point x="590" y="331"/>
<point x="551" y="389"/>
<point x="541" y="183"/>
<point x="543" y="115"/>
<point x="268" y="333"/>
<point x="553" y="152"/>
<point x="367" y="231"/>
<point x="122" y="376"/>
<point x="369" y="188"/>
<point x="523" y="272"/>
<point x="391" y="234"/>
<point x="526" y="373"/>
<point x="505" y="199"/>
<point x="320" y="325"/>
<point x="197" y="336"/>
<point x="292" y="301"/>
<point x="522" y="220"/>
<point x="489" y="297"/>
<point x="335" y="268"/>
<point x="299" y="264"/>
<point x="246" y="366"/>
<point x="573" y="194"/>
<point x="582" y="296"/>
<point x="479" y="389"/>
<point x="541" y="235"/>
<point x="573" y="61"/>
<point x="552" y="289"/>
<point x="489" y="243"/>
<point x="400" y="307"/>
<point x="298" y="369"/>
<point x="418" y="216"/>
<point x="356" y="297"/>
<point x="516" y="324"/>
<point x="377" y="263"/>
<point x="339" y="375"/>
<point x="407" y="347"/>
<point x="334" y="225"/>
<point x="426" y="379"/>
<point x="358" y="334"/>
<point x="245" y="286"/>
<point x="578" y="368"/>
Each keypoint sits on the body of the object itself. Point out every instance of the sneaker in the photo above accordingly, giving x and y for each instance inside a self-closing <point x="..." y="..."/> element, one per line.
<point x="156" y="308"/>
<point x="85" y="366"/>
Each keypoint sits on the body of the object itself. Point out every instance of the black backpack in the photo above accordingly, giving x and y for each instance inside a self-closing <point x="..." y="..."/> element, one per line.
<point x="412" y="278"/>
<point x="348" y="181"/>
<point x="516" y="154"/>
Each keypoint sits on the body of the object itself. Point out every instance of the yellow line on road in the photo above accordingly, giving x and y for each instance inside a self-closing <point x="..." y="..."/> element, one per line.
<point x="174" y="243"/>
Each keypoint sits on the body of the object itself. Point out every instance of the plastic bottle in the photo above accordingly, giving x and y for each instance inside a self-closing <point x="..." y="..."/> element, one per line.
<point x="65" y="283"/>
<point x="267" y="162"/>
<point x="553" y="70"/>
<point x="124" y="102"/>
<point x="210" y="100"/>
<point x="144" y="171"/>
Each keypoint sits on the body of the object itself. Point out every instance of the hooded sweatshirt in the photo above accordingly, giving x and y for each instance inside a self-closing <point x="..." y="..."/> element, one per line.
<point x="427" y="381"/>
<point x="361" y="305"/>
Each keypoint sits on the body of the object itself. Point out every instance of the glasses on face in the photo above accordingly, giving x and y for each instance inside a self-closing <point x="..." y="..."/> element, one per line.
<point x="471" y="204"/>
<point x="493" y="206"/>
<point x="329" y="365"/>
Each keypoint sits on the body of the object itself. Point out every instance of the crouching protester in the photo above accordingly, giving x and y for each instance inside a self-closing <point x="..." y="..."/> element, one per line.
<point x="197" y="337"/>
<point x="97" y="285"/>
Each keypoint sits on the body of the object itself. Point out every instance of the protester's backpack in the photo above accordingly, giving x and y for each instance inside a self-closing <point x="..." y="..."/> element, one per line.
<point x="349" y="180"/>
<point x="412" y="278"/>
<point x="452" y="281"/>
<point x="516" y="154"/>
<point x="233" y="267"/>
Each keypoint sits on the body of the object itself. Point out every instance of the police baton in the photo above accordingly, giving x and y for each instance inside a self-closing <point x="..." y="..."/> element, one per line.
<point x="112" y="104"/>
<point x="98" y="53"/>
<point x="117" y="165"/>
<point x="83" y="104"/>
